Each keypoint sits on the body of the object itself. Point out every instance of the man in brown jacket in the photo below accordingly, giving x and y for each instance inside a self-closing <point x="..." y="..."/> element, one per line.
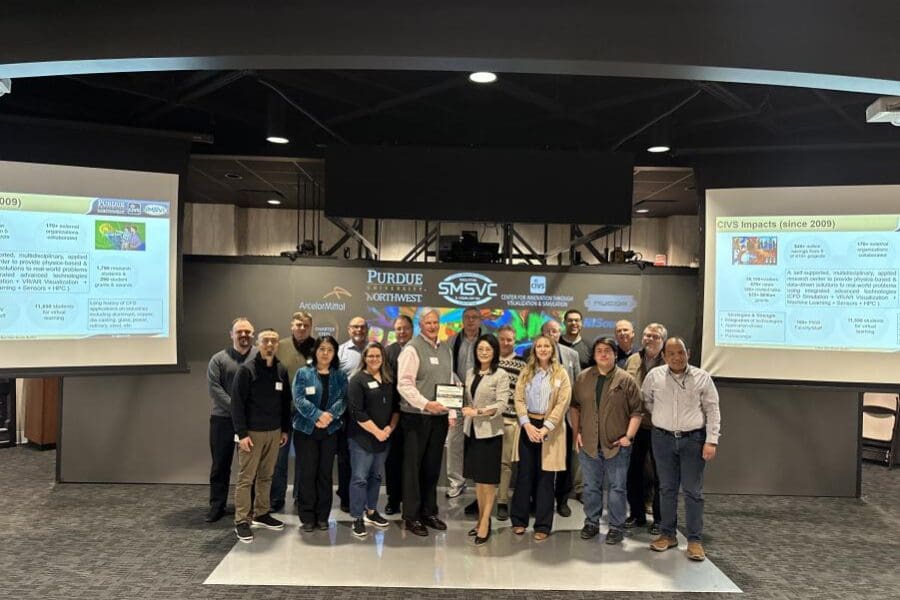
<point x="605" y="414"/>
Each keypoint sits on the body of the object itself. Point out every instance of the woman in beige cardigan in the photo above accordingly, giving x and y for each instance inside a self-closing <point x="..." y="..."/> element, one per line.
<point x="542" y="399"/>
<point x="486" y="395"/>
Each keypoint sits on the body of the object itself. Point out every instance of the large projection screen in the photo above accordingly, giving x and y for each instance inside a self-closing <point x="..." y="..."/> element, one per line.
<point x="88" y="267"/>
<point x="801" y="284"/>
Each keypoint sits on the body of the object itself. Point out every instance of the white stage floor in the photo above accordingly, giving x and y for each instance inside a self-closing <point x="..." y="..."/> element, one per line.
<point x="395" y="558"/>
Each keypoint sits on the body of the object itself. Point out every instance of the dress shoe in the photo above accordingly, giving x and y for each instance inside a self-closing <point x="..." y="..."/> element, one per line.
<point x="434" y="523"/>
<point x="307" y="527"/>
<point x="215" y="513"/>
<point x="695" y="551"/>
<point x="345" y="508"/>
<point x="502" y="512"/>
<point x="471" y="508"/>
<point x="518" y="530"/>
<point x="540" y="536"/>
<point x="483" y="540"/>
<point x="663" y="543"/>
<point x="632" y="522"/>
<point x="563" y="509"/>
<point x="472" y="532"/>
<point x="322" y="526"/>
<point x="391" y="509"/>
<point x="415" y="527"/>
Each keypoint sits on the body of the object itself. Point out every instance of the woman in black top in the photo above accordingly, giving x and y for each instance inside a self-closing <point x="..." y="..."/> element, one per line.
<point x="374" y="412"/>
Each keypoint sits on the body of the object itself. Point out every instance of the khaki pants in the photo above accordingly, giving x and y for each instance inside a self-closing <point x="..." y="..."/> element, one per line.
<point x="256" y="465"/>
<point x="510" y="426"/>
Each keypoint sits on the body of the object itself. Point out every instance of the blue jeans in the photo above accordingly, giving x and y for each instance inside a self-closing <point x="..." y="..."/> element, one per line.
<point x="679" y="463"/>
<point x="365" y="477"/>
<point x="616" y="471"/>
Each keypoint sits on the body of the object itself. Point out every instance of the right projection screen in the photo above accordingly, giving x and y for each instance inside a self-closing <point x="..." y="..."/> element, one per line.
<point x="801" y="284"/>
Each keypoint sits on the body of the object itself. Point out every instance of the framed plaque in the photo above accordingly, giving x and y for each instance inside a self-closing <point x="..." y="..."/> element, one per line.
<point x="449" y="395"/>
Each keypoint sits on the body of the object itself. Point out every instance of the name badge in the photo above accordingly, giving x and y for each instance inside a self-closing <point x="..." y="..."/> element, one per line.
<point x="310" y="390"/>
<point x="373" y="385"/>
<point x="279" y="386"/>
<point x="434" y="360"/>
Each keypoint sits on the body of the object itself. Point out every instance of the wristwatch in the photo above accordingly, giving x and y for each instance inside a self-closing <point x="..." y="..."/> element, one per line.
<point x="478" y="412"/>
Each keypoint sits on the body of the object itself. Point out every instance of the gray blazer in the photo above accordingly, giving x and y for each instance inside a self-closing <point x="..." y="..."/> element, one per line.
<point x="492" y="393"/>
<point x="570" y="360"/>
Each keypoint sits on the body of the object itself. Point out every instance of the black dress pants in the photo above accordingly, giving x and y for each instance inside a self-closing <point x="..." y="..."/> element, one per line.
<point x="343" y="460"/>
<point x="393" y="468"/>
<point x="533" y="484"/>
<point x="423" y="439"/>
<point x="565" y="480"/>
<point x="637" y="484"/>
<point x="221" y="447"/>
<point x="315" y="454"/>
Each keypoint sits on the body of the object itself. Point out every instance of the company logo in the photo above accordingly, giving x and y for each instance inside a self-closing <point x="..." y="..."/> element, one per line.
<point x="133" y="208"/>
<point x="156" y="210"/>
<point x="467" y="289"/>
<point x="394" y="287"/>
<point x="375" y="277"/>
<point x="337" y="293"/>
<point x="618" y="303"/>
<point x="538" y="284"/>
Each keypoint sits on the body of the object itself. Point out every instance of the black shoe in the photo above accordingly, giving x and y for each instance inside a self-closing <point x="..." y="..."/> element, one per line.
<point x="322" y="526"/>
<point x="307" y="527"/>
<point x="243" y="532"/>
<point x="502" y="512"/>
<point x="579" y="498"/>
<point x="483" y="540"/>
<point x="345" y="508"/>
<point x="391" y="509"/>
<point x="632" y="522"/>
<point x="614" y="536"/>
<point x="589" y="531"/>
<point x="563" y="510"/>
<point x="376" y="520"/>
<point x="359" y="528"/>
<point x="472" y="532"/>
<point x="215" y="513"/>
<point x="434" y="523"/>
<point x="269" y="522"/>
<point x="654" y="529"/>
<point x="415" y="527"/>
<point x="471" y="508"/>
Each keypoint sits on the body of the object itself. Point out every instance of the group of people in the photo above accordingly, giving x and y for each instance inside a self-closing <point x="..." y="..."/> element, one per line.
<point x="570" y="415"/>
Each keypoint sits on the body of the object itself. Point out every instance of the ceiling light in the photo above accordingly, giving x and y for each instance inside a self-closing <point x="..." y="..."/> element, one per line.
<point x="660" y="138"/>
<point x="232" y="175"/>
<point x="642" y="211"/>
<point x="483" y="77"/>
<point x="276" y="121"/>
<point x="274" y="201"/>
<point x="658" y="149"/>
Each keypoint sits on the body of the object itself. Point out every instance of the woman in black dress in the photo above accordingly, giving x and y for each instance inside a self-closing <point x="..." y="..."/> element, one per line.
<point x="486" y="396"/>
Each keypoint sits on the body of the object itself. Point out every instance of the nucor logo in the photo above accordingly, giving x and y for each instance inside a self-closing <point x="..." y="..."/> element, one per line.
<point x="467" y="289"/>
<point x="155" y="210"/>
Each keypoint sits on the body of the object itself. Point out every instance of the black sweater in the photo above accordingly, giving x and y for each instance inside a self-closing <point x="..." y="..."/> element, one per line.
<point x="256" y="402"/>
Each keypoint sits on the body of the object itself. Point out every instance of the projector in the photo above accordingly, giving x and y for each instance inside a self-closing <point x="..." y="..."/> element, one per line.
<point x="884" y="110"/>
<point x="5" y="86"/>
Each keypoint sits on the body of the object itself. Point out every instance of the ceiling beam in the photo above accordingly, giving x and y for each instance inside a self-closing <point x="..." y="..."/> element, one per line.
<point x="738" y="104"/>
<point x="447" y="84"/>
<point x="211" y="85"/>
<point x="555" y="108"/>
<point x="855" y="124"/>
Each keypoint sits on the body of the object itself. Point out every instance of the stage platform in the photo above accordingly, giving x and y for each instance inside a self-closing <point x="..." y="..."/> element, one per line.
<point x="395" y="558"/>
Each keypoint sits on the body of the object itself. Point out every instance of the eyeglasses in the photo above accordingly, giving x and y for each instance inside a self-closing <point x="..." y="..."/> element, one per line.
<point x="268" y="341"/>
<point x="652" y="336"/>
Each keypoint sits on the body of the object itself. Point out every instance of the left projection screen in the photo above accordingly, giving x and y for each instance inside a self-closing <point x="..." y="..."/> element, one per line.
<point x="88" y="267"/>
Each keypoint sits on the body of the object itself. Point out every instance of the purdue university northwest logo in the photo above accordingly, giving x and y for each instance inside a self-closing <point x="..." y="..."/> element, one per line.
<point x="337" y="293"/>
<point x="467" y="289"/>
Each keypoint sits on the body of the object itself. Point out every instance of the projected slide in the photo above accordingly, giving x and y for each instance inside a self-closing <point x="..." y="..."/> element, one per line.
<point x="808" y="282"/>
<point x="73" y="266"/>
<point x="803" y="284"/>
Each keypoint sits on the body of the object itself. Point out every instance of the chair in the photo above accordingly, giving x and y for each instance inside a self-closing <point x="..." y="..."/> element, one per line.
<point x="880" y="427"/>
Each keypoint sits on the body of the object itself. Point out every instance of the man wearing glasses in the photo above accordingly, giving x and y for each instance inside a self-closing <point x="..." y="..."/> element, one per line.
<point x="638" y="365"/>
<point x="219" y="375"/>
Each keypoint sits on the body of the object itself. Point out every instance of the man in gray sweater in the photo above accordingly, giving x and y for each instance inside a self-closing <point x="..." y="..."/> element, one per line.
<point x="220" y="375"/>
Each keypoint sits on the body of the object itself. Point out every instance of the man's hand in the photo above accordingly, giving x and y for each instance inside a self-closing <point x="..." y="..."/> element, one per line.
<point x="245" y="443"/>
<point x="387" y="431"/>
<point x="709" y="452"/>
<point x="435" y="408"/>
<point x="623" y="442"/>
<point x="284" y="439"/>
<point x="579" y="444"/>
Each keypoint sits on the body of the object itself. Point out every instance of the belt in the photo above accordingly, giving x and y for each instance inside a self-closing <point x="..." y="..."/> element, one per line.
<point x="532" y="415"/>
<point x="678" y="434"/>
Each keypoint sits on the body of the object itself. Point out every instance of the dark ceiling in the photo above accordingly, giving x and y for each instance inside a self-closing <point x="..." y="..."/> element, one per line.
<point x="445" y="109"/>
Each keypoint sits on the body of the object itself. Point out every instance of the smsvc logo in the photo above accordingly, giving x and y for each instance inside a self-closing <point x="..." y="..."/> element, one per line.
<point x="538" y="284"/>
<point x="467" y="289"/>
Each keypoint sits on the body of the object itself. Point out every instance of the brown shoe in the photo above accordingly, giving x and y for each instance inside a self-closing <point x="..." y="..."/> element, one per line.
<point x="518" y="530"/>
<point x="540" y="536"/>
<point x="663" y="543"/>
<point x="695" y="551"/>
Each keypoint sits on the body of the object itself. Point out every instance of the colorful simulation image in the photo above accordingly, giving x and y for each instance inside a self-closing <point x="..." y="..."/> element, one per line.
<point x="526" y="323"/>
<point x="120" y="235"/>
<point x="754" y="250"/>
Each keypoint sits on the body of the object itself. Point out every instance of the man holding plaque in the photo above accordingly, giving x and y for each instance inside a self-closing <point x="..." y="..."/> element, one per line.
<point x="423" y="365"/>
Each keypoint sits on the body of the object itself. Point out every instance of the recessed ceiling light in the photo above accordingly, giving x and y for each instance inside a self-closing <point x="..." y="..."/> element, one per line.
<point x="277" y="139"/>
<point x="483" y="77"/>
<point x="232" y="175"/>
<point x="658" y="149"/>
<point x="642" y="211"/>
<point x="274" y="201"/>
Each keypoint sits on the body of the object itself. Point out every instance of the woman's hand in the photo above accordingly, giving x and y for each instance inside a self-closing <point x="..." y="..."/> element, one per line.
<point x="468" y="411"/>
